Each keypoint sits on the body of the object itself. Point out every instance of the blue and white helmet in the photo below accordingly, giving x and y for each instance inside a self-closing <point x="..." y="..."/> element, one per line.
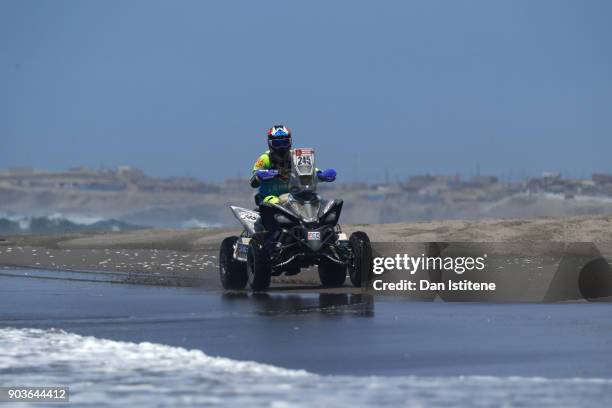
<point x="279" y="138"/>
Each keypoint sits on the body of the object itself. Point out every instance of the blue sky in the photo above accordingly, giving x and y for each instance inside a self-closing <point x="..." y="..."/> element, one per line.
<point x="404" y="87"/>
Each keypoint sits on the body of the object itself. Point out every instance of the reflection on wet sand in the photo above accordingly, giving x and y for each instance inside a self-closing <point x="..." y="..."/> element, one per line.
<point x="326" y="304"/>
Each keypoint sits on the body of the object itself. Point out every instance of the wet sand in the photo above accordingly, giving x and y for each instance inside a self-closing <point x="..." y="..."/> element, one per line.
<point x="326" y="333"/>
<point x="64" y="282"/>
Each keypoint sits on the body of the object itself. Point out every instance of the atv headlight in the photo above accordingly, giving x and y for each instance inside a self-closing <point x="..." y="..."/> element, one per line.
<point x="330" y="218"/>
<point x="281" y="219"/>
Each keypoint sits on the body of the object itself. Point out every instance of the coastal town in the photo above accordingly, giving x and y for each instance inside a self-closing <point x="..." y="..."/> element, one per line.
<point x="128" y="194"/>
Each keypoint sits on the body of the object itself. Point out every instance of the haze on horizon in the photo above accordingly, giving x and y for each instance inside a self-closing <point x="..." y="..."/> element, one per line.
<point x="397" y="88"/>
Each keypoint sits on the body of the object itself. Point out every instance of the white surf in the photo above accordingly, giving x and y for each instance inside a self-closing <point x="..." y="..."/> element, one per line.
<point x="105" y="373"/>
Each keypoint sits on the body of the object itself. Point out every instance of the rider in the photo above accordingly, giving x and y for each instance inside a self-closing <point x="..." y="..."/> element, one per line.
<point x="271" y="171"/>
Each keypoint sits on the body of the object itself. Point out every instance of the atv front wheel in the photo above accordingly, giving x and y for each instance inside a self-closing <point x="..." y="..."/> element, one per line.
<point x="233" y="273"/>
<point x="361" y="266"/>
<point x="259" y="270"/>
<point x="332" y="274"/>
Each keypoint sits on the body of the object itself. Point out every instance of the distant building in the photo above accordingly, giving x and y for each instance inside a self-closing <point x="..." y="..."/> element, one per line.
<point x="130" y="173"/>
<point x="601" y="178"/>
<point x="21" y="170"/>
<point x="551" y="175"/>
<point x="484" y="180"/>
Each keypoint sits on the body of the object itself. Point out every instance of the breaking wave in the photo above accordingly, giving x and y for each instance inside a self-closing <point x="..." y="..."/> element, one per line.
<point x="197" y="223"/>
<point x="58" y="223"/>
<point x="106" y="373"/>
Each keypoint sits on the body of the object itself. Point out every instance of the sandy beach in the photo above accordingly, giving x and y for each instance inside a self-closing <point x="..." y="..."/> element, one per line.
<point x="189" y="257"/>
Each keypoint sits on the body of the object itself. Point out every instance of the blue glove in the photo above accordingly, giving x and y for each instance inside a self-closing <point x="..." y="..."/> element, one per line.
<point x="266" y="174"/>
<point x="327" y="175"/>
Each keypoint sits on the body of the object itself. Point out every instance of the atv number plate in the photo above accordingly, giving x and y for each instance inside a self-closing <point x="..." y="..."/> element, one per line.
<point x="314" y="236"/>
<point x="303" y="161"/>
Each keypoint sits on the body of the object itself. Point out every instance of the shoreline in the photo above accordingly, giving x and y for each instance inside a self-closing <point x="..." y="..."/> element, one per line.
<point x="189" y="257"/>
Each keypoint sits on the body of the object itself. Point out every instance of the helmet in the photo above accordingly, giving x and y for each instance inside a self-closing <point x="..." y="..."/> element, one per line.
<point x="279" y="138"/>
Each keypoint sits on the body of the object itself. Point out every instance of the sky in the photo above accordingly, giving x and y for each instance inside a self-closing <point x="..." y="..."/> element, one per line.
<point x="379" y="88"/>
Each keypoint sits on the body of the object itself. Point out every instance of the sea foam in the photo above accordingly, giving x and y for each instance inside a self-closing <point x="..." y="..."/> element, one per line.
<point x="103" y="372"/>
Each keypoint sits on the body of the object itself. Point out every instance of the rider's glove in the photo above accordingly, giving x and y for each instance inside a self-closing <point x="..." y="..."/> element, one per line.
<point x="327" y="175"/>
<point x="264" y="175"/>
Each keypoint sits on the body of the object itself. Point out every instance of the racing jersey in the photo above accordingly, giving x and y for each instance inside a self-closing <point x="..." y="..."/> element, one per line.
<point x="278" y="185"/>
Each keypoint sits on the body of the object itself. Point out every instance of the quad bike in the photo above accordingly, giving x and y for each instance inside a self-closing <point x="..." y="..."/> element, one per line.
<point x="299" y="232"/>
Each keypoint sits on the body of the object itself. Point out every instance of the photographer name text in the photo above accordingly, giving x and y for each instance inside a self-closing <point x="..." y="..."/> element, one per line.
<point x="412" y="264"/>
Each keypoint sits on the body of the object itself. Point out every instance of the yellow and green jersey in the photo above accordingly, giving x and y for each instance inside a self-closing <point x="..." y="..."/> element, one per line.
<point x="278" y="185"/>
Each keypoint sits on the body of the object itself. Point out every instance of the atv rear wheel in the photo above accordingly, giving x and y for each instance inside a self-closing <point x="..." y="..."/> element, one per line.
<point x="259" y="270"/>
<point x="361" y="266"/>
<point x="332" y="274"/>
<point x="233" y="273"/>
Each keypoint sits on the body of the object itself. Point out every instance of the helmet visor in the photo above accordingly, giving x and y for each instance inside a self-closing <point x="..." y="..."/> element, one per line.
<point x="280" y="143"/>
